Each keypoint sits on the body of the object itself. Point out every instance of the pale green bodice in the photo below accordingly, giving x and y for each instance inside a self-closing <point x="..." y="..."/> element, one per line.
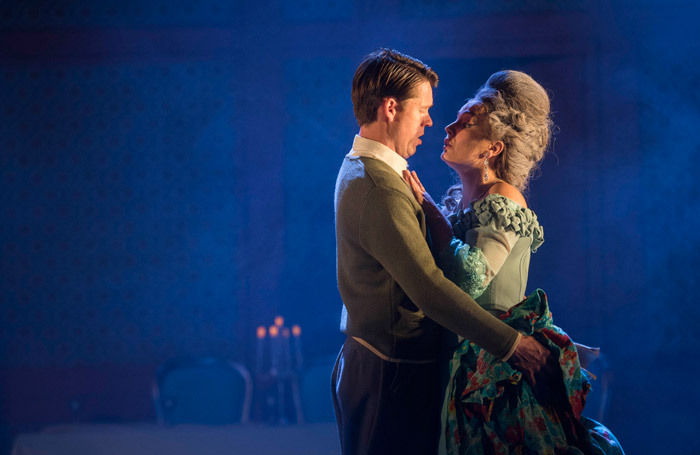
<point x="489" y="258"/>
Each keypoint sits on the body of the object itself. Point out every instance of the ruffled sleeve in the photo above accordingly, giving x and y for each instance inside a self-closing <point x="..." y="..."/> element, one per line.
<point x="499" y="213"/>
<point x="466" y="266"/>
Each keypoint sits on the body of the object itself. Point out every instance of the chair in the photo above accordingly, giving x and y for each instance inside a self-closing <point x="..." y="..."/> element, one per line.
<point x="598" y="399"/>
<point x="204" y="390"/>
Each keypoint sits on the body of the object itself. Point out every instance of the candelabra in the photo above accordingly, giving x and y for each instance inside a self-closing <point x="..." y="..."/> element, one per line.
<point x="278" y="363"/>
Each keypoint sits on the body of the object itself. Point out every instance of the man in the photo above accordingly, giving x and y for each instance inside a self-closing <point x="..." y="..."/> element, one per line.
<point x="386" y="385"/>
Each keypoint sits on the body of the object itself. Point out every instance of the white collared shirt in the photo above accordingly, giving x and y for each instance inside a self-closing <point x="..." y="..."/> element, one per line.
<point x="362" y="146"/>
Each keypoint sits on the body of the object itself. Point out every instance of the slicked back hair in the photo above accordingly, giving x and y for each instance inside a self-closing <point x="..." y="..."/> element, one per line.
<point x="386" y="73"/>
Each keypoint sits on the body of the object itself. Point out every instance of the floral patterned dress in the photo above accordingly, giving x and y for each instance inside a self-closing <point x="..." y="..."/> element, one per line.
<point x="489" y="408"/>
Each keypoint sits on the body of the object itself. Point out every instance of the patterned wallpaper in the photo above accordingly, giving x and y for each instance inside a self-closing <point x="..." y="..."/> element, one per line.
<point x="120" y="211"/>
<point x="443" y="8"/>
<point x="318" y="133"/>
<point x="112" y="13"/>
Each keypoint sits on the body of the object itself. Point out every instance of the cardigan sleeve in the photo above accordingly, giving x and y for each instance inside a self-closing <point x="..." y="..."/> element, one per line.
<point x="389" y="230"/>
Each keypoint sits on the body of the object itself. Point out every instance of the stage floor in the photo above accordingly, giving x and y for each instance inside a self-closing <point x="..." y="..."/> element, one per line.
<point x="150" y="439"/>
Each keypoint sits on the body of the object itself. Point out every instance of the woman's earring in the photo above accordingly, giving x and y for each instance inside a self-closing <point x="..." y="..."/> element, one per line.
<point x="486" y="169"/>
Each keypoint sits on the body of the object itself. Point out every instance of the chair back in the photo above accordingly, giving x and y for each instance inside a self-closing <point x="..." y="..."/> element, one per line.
<point x="203" y="390"/>
<point x="598" y="399"/>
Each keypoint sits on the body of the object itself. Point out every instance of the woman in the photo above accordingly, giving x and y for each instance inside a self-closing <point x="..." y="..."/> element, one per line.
<point x="484" y="246"/>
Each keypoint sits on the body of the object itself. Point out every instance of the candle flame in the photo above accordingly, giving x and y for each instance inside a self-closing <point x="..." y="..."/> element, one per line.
<point x="296" y="330"/>
<point x="279" y="321"/>
<point x="261" y="332"/>
<point x="274" y="331"/>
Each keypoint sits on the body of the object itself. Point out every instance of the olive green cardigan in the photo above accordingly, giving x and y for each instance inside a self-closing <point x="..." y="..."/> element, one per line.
<point x="394" y="295"/>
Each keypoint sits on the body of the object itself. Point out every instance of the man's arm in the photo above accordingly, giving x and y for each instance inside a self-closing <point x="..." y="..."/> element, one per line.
<point x="526" y="354"/>
<point x="390" y="232"/>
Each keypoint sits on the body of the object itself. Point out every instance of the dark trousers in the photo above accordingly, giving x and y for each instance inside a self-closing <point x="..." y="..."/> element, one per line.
<point x="385" y="407"/>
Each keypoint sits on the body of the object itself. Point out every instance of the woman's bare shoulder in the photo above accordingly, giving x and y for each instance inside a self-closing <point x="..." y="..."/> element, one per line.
<point x="509" y="191"/>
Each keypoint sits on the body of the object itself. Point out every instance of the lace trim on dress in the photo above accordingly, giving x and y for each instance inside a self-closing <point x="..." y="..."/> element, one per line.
<point x="500" y="213"/>
<point x="466" y="267"/>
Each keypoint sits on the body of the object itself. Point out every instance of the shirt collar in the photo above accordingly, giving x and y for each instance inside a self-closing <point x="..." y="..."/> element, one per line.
<point x="362" y="146"/>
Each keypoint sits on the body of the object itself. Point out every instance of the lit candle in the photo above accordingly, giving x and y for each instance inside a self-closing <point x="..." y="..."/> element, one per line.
<point x="294" y="383"/>
<point x="277" y="367"/>
<point x="274" y="332"/>
<point x="260" y="349"/>
<point x="296" y="331"/>
<point x="286" y="354"/>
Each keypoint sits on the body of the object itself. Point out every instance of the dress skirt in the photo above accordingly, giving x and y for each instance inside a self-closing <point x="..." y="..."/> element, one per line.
<point x="490" y="408"/>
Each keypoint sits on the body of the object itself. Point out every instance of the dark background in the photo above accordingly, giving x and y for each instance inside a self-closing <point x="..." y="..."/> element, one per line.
<point x="167" y="173"/>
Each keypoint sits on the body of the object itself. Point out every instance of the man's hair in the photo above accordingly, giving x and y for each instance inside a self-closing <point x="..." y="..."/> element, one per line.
<point x="386" y="73"/>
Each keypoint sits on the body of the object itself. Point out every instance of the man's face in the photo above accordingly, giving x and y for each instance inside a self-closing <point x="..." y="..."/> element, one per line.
<point x="411" y="119"/>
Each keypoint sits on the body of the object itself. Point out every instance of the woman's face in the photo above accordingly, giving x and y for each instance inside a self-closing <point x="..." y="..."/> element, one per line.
<point x="467" y="142"/>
